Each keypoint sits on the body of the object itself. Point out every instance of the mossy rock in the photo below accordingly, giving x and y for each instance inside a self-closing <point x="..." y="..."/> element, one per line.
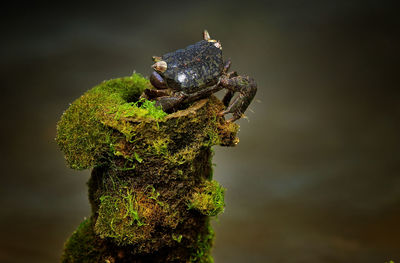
<point x="84" y="246"/>
<point x="151" y="186"/>
<point x="107" y="121"/>
<point x="81" y="133"/>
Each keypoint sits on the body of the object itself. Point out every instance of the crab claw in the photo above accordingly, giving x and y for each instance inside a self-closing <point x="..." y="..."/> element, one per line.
<point x="160" y="66"/>
<point x="247" y="89"/>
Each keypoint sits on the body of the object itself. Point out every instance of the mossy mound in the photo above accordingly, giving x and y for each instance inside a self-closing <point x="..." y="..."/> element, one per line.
<point x="85" y="246"/>
<point x="100" y="124"/>
<point x="81" y="134"/>
<point x="151" y="186"/>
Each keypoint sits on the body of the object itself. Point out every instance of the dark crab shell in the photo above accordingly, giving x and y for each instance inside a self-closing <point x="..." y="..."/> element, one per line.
<point x="194" y="67"/>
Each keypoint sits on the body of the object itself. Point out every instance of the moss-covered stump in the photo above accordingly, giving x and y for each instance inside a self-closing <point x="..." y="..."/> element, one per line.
<point x="151" y="186"/>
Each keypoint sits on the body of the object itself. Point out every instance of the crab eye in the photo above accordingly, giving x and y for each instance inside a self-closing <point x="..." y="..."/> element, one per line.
<point x="160" y="66"/>
<point x="217" y="44"/>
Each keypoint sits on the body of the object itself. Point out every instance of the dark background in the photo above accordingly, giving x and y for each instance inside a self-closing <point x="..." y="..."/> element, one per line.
<point x="315" y="177"/>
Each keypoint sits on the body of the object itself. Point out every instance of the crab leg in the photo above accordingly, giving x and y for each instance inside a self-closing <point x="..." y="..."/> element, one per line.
<point x="227" y="66"/>
<point x="168" y="103"/>
<point x="206" y="92"/>
<point x="227" y="98"/>
<point x="155" y="93"/>
<point x="247" y="89"/>
<point x="229" y="94"/>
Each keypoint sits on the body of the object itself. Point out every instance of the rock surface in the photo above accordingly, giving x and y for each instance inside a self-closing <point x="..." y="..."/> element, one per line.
<point x="151" y="186"/>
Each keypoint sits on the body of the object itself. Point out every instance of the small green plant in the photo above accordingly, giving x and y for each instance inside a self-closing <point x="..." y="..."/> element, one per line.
<point x="177" y="238"/>
<point x="137" y="157"/>
<point x="131" y="208"/>
<point x="154" y="195"/>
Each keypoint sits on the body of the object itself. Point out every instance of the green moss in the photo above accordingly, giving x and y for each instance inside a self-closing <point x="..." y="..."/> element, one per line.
<point x="83" y="245"/>
<point x="160" y="146"/>
<point x="120" y="116"/>
<point x="83" y="134"/>
<point x="213" y="137"/>
<point x="201" y="252"/>
<point x="119" y="217"/>
<point x="209" y="199"/>
<point x="153" y="111"/>
<point x="153" y="194"/>
<point x="177" y="138"/>
<point x="110" y="118"/>
<point x="177" y="238"/>
<point x="148" y="169"/>
<point x="129" y="216"/>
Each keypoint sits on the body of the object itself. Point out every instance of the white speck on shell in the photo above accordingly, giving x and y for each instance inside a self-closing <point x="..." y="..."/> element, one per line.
<point x="181" y="77"/>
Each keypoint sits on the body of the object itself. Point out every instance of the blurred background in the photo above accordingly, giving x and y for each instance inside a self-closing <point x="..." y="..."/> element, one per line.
<point x="315" y="177"/>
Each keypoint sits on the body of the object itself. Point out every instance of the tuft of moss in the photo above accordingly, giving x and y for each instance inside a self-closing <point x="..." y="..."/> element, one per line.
<point x="201" y="252"/>
<point x="209" y="199"/>
<point x="129" y="217"/>
<point x="83" y="133"/>
<point x="83" y="245"/>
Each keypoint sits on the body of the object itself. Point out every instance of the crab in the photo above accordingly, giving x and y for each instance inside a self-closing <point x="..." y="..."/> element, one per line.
<point x="195" y="72"/>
